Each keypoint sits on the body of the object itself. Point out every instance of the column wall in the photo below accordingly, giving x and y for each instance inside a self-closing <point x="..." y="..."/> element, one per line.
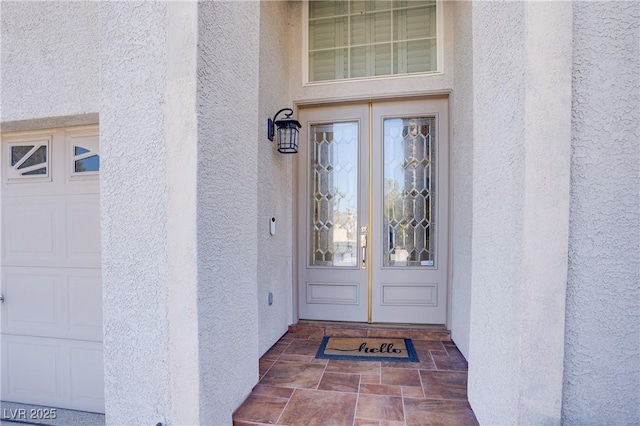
<point x="521" y="148"/>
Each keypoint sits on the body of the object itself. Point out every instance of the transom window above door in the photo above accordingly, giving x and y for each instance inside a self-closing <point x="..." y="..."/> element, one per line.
<point x="356" y="39"/>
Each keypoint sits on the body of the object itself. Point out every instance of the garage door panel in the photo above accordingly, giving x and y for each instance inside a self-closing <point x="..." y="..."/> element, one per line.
<point x="50" y="276"/>
<point x="85" y="294"/>
<point x="33" y="302"/>
<point x="83" y="231"/>
<point x="53" y="372"/>
<point x="36" y="367"/>
<point x="29" y="226"/>
<point x="52" y="302"/>
<point x="87" y="388"/>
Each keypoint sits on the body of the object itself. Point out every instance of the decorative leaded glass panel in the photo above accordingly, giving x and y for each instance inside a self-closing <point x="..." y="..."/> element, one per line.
<point x="409" y="184"/>
<point x="334" y="194"/>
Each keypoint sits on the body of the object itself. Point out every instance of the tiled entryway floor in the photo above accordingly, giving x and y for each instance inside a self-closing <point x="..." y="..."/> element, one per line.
<point x="295" y="388"/>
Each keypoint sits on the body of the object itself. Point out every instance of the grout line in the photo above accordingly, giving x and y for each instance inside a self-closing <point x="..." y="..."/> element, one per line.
<point x="285" y="407"/>
<point x="355" y="408"/>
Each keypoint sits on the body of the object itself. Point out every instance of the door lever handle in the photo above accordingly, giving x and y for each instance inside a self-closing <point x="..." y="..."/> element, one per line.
<point x="363" y="245"/>
<point x="1" y="298"/>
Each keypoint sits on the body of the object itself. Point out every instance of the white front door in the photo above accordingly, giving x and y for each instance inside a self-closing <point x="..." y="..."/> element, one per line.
<point x="373" y="212"/>
<point x="51" y="334"/>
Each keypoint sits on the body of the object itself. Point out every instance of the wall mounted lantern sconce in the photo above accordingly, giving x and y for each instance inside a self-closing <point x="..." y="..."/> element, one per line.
<point x="287" y="129"/>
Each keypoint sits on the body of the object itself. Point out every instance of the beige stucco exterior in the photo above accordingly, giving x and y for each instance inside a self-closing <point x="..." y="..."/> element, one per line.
<point x="545" y="197"/>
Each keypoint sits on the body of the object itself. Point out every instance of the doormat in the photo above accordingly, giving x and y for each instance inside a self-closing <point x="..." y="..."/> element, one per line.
<point x="367" y="349"/>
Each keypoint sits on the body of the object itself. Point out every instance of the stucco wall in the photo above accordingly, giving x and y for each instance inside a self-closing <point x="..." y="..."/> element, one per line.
<point x="49" y="57"/>
<point x="133" y="213"/>
<point x="602" y="361"/>
<point x="497" y="179"/>
<point x="228" y="133"/>
<point x="275" y="181"/>
<point x="461" y="176"/>
<point x="179" y="207"/>
<point x="521" y="145"/>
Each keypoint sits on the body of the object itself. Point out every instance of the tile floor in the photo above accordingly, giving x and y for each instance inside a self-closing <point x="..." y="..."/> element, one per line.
<point x="295" y="388"/>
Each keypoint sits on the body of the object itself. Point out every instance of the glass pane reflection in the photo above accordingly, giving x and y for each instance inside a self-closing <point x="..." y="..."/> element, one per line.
<point x="408" y="202"/>
<point x="334" y="194"/>
<point x="89" y="164"/>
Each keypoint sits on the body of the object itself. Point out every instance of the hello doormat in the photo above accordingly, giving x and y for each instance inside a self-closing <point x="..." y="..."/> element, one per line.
<point x="367" y="349"/>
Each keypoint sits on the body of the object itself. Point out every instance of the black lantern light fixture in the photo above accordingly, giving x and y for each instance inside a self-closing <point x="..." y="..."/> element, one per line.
<point x="287" y="129"/>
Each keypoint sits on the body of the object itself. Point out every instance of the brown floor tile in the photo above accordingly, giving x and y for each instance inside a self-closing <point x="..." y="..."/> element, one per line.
<point x="243" y="423"/>
<point x="438" y="353"/>
<point x="426" y="335"/>
<point x="354" y="367"/>
<point x="299" y="336"/>
<point x="426" y="363"/>
<point x="302" y="329"/>
<point x="450" y="363"/>
<point x="412" y="392"/>
<point x="370" y="422"/>
<point x="298" y="389"/>
<point x="453" y="351"/>
<point x="293" y="375"/>
<point x="401" y="377"/>
<point x="273" y="391"/>
<point x="264" y="365"/>
<point x="275" y="351"/>
<point x="340" y="382"/>
<point x="402" y="334"/>
<point x="444" y="384"/>
<point x="302" y="348"/>
<point x="366" y="422"/>
<point x="261" y="409"/>
<point x="438" y="412"/>
<point x="381" y="390"/>
<point x="311" y="407"/>
<point x="337" y="331"/>
<point x="308" y="359"/>
<point x="428" y="344"/>
<point x="380" y="407"/>
<point x="370" y="379"/>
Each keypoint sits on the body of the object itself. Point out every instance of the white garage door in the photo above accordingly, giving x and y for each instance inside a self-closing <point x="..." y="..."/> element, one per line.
<point x="50" y="270"/>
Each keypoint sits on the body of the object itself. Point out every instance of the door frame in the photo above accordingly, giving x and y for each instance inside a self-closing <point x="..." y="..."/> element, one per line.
<point x="429" y="95"/>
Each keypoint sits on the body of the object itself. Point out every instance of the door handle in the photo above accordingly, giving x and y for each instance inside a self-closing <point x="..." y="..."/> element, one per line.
<point x="1" y="298"/>
<point x="363" y="245"/>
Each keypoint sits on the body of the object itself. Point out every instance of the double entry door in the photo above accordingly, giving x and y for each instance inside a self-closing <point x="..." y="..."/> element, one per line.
<point x="373" y="212"/>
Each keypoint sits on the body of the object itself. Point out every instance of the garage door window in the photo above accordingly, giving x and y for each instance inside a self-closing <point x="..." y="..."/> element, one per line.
<point x="85" y="160"/>
<point x="85" y="155"/>
<point x="29" y="160"/>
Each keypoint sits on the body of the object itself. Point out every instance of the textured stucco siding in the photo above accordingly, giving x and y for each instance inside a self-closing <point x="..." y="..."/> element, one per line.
<point x="49" y="59"/>
<point x="461" y="177"/>
<point x="275" y="181"/>
<point x="229" y="132"/>
<point x="521" y="146"/>
<point x="498" y="143"/>
<point x="602" y="360"/>
<point x="133" y="213"/>
<point x="181" y="201"/>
